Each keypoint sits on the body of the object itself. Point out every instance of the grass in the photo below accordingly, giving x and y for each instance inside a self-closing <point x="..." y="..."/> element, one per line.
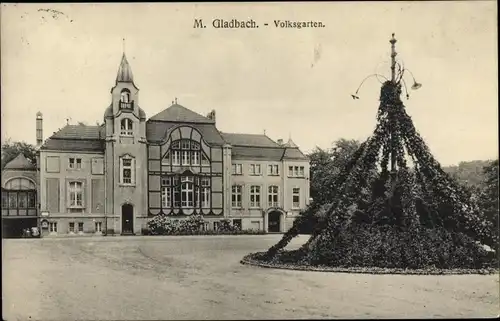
<point x="151" y="278"/>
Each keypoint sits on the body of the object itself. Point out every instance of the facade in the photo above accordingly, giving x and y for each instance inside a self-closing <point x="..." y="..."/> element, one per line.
<point x="115" y="177"/>
<point x="19" y="197"/>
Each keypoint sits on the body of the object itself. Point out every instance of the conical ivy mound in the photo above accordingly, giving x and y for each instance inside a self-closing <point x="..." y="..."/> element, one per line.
<point x="413" y="217"/>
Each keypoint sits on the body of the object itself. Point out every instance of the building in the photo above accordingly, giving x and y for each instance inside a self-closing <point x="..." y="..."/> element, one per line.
<point x="19" y="197"/>
<point x="115" y="177"/>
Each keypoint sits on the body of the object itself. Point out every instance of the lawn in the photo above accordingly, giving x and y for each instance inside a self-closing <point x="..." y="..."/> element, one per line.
<point x="200" y="277"/>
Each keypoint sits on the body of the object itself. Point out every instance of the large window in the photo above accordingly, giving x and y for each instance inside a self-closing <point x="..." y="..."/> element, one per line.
<point x="185" y="152"/>
<point x="127" y="170"/>
<point x="296" y="171"/>
<point x="273" y="196"/>
<point x="255" y="196"/>
<point x="296" y="197"/>
<point x="126" y="127"/>
<point x="76" y="194"/>
<point x="236" y="196"/>
<point x="185" y="192"/>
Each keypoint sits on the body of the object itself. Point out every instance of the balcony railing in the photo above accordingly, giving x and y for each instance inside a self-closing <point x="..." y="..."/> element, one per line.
<point x="127" y="105"/>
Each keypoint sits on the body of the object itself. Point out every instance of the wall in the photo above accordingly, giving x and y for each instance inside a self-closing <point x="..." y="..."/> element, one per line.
<point x="55" y="176"/>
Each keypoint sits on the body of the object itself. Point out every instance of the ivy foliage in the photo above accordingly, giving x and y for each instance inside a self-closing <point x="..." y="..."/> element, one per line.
<point x="392" y="204"/>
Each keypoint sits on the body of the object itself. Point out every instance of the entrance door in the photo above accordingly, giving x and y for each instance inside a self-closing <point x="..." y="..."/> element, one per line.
<point x="274" y="222"/>
<point x="127" y="219"/>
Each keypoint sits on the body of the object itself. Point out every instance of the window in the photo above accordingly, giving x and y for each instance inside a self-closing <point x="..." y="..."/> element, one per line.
<point x="22" y="200"/>
<point x="80" y="227"/>
<point x="296" y="197"/>
<point x="216" y="226"/>
<point x="255" y="196"/>
<point x="236" y="195"/>
<point x="187" y="191"/>
<point x="125" y="96"/>
<point x="5" y="200"/>
<point x="53" y="227"/>
<point x="273" y="170"/>
<point x="186" y="153"/>
<point x="98" y="227"/>
<point x="72" y="227"/>
<point x="127" y="170"/>
<point x="273" y="196"/>
<point x="255" y="169"/>
<point x="75" y="194"/>
<point x="31" y="200"/>
<point x="205" y="192"/>
<point x="75" y="163"/>
<point x="296" y="171"/>
<point x="166" y="193"/>
<point x="126" y="127"/>
<point x="176" y="157"/>
<point x="237" y="169"/>
<point x="12" y="200"/>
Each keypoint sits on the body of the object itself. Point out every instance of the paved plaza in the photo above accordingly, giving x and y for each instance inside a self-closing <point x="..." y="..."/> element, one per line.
<point x="200" y="277"/>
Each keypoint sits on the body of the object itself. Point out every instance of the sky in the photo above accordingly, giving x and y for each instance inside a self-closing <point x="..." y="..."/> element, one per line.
<point x="289" y="82"/>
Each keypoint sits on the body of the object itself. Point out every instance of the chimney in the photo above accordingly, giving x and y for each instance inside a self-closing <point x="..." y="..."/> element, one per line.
<point x="280" y="141"/>
<point x="211" y="115"/>
<point x="39" y="133"/>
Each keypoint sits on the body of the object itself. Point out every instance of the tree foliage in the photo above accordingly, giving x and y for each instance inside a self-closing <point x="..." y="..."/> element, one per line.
<point x="11" y="149"/>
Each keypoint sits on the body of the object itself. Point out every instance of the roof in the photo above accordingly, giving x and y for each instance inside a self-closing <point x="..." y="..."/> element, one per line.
<point x="124" y="71"/>
<point x="157" y="131"/>
<point x="251" y="140"/>
<point x="294" y="153"/>
<point x="178" y="113"/>
<point x="20" y="162"/>
<point x="77" y="138"/>
<point x="267" y="153"/>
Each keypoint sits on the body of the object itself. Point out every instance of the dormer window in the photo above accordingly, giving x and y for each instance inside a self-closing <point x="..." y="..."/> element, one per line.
<point x="126" y="127"/>
<point x="125" y="101"/>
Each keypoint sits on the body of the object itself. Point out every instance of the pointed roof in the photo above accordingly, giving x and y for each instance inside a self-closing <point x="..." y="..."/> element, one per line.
<point x="178" y="113"/>
<point x="124" y="71"/>
<point x="290" y="144"/>
<point x="20" y="162"/>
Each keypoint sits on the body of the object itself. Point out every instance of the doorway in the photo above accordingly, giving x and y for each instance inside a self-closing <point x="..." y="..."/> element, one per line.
<point x="127" y="219"/>
<point x="274" y="222"/>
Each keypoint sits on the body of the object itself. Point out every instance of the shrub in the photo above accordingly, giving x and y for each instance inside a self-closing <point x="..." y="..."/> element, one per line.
<point x="385" y="246"/>
<point x="194" y="225"/>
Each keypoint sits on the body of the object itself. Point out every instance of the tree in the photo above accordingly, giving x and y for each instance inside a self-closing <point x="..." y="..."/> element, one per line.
<point x="325" y="164"/>
<point x="489" y="195"/>
<point x="11" y="149"/>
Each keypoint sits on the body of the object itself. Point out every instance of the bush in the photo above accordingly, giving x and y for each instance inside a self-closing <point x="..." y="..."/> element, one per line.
<point x="194" y="225"/>
<point x="391" y="247"/>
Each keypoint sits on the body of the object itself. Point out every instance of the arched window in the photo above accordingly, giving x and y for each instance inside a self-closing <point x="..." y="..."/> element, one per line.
<point x="186" y="152"/>
<point x="20" y="183"/>
<point x="126" y="127"/>
<point x="125" y="96"/>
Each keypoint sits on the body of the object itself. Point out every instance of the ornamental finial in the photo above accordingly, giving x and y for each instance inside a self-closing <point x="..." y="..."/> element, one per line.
<point x="393" y="58"/>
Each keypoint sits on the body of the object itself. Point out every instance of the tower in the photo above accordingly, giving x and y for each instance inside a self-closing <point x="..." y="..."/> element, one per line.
<point x="125" y="155"/>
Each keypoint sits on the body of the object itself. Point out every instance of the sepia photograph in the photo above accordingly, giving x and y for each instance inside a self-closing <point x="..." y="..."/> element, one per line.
<point x="249" y="161"/>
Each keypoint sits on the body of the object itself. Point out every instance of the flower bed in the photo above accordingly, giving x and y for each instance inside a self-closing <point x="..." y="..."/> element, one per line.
<point x="194" y="225"/>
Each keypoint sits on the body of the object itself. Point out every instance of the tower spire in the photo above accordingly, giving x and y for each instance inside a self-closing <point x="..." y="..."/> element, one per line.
<point x="124" y="71"/>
